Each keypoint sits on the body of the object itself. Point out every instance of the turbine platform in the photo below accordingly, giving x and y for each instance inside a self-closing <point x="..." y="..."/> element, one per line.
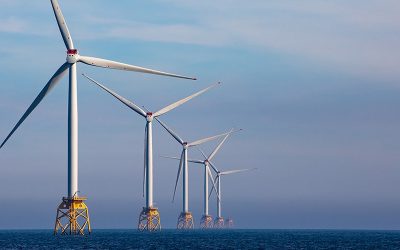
<point x="72" y="217"/>
<point x="219" y="223"/>
<point x="185" y="221"/>
<point x="229" y="223"/>
<point x="149" y="219"/>
<point x="206" y="222"/>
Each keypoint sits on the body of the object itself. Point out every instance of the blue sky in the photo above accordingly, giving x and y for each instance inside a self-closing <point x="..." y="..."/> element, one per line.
<point x="314" y="85"/>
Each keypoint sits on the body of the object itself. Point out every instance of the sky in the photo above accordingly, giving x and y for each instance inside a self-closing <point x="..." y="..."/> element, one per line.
<point x="314" y="86"/>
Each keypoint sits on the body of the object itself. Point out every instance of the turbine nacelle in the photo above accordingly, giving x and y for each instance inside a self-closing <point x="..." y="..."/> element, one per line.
<point x="185" y="145"/>
<point x="72" y="56"/>
<point x="149" y="116"/>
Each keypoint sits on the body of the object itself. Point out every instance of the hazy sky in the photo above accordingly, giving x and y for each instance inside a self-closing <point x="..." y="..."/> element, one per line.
<point x="314" y="85"/>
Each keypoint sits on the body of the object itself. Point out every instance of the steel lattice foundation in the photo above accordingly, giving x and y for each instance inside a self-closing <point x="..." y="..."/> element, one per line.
<point x="72" y="217"/>
<point x="149" y="219"/>
<point x="229" y="223"/>
<point x="185" y="221"/>
<point x="206" y="222"/>
<point x="219" y="222"/>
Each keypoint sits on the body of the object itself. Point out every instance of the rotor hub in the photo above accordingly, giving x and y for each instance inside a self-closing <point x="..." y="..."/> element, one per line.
<point x="72" y="56"/>
<point x="149" y="116"/>
<point x="185" y="145"/>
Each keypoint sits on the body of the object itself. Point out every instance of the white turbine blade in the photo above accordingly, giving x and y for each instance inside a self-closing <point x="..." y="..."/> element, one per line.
<point x="196" y="161"/>
<point x="221" y="143"/>
<point x="62" y="25"/>
<point x="180" y="102"/>
<point x="103" y="63"/>
<point x="236" y="171"/>
<point x="128" y="103"/>
<point x="170" y="131"/>
<point x="212" y="181"/>
<point x="204" y="155"/>
<point x="177" y="158"/>
<point x="50" y="84"/>
<point x="178" y="175"/>
<point x="198" y="142"/>
<point x="170" y="157"/>
<point x="213" y="167"/>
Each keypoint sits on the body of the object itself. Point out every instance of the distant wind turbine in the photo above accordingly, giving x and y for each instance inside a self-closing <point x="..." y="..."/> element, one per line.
<point x="219" y="220"/>
<point x="185" y="219"/>
<point x="206" y="220"/>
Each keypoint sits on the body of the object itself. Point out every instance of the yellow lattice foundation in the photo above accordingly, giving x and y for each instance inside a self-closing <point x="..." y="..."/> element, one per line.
<point x="185" y="221"/>
<point x="72" y="217"/>
<point x="149" y="220"/>
<point x="229" y="223"/>
<point x="206" y="222"/>
<point x="219" y="222"/>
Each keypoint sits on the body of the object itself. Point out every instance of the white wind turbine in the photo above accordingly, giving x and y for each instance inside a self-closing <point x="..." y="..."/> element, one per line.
<point x="185" y="220"/>
<point x="206" y="220"/>
<point x="219" y="221"/>
<point x="71" y="63"/>
<point x="149" y="218"/>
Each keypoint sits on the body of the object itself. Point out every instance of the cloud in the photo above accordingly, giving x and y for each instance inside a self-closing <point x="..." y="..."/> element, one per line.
<point x="354" y="37"/>
<point x="12" y="25"/>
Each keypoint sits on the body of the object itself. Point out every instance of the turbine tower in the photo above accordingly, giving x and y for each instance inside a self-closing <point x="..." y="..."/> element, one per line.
<point x="149" y="218"/>
<point x="72" y="213"/>
<point x="185" y="219"/>
<point x="219" y="220"/>
<point x="206" y="220"/>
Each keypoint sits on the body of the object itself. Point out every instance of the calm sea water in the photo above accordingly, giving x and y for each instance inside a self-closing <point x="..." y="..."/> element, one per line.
<point x="215" y="239"/>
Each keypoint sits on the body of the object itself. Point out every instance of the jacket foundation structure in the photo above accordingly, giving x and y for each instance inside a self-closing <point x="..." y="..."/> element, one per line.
<point x="72" y="217"/>
<point x="185" y="221"/>
<point x="206" y="222"/>
<point x="149" y="219"/>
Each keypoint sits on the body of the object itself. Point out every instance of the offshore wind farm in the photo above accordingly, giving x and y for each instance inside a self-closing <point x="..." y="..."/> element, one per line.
<point x="169" y="124"/>
<point x="73" y="214"/>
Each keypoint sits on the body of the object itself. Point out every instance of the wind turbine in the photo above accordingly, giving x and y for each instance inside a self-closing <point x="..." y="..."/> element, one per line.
<point x="149" y="218"/>
<point x="206" y="219"/>
<point x="73" y="209"/>
<point x="219" y="220"/>
<point x="185" y="219"/>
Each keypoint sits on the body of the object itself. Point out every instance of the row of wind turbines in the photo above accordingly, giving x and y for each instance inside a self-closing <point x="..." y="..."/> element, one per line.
<point x="72" y="213"/>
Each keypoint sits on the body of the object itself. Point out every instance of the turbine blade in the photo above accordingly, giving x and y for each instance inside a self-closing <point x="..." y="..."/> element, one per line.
<point x="103" y="63"/>
<point x="182" y="101"/>
<point x="204" y="155"/>
<point x="198" y="142"/>
<point x="221" y="143"/>
<point x="170" y="131"/>
<point x="62" y="25"/>
<point x="212" y="181"/>
<point x="237" y="171"/>
<point x="50" y="84"/>
<point x="177" y="176"/>
<point x="177" y="158"/>
<point x="213" y="167"/>
<point x="170" y="157"/>
<point x="128" y="103"/>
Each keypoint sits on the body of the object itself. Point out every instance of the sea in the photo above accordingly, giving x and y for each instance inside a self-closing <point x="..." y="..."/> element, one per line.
<point x="202" y="239"/>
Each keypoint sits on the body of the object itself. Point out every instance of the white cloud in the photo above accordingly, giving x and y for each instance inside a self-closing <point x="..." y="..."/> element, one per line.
<point x="357" y="37"/>
<point x="12" y="25"/>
